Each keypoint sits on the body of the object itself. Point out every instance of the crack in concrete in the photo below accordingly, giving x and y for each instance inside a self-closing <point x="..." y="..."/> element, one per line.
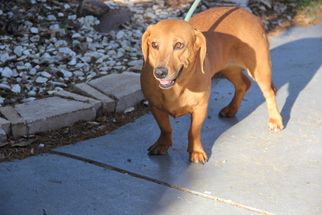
<point x="106" y="166"/>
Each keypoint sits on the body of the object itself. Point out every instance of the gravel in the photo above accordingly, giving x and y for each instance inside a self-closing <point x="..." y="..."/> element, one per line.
<point x="46" y="47"/>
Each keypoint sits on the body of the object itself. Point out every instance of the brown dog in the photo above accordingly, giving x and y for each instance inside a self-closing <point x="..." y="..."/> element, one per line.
<point x="179" y="62"/>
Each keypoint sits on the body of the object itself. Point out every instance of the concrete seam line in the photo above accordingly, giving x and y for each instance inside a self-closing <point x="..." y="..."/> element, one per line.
<point x="106" y="166"/>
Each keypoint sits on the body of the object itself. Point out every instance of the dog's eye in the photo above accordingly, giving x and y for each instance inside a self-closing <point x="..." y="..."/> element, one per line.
<point x="178" y="45"/>
<point x="155" y="45"/>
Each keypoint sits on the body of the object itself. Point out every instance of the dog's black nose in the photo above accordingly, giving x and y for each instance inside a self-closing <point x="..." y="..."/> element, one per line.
<point x="160" y="72"/>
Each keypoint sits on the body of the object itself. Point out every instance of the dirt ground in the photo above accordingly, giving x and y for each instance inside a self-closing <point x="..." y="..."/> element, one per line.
<point x="20" y="148"/>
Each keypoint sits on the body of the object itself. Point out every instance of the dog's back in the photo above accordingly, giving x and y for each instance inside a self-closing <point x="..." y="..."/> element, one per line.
<point x="229" y="20"/>
<point x="235" y="33"/>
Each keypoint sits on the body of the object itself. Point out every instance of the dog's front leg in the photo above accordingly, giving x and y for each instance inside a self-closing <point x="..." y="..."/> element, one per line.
<point x="195" y="148"/>
<point x="161" y="146"/>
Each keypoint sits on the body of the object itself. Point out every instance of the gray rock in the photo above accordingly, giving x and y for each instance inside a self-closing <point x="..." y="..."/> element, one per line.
<point x="78" y="73"/>
<point x="16" y="88"/>
<point x="51" y="18"/>
<point x="5" y="87"/>
<point x="61" y="43"/>
<point x="7" y="72"/>
<point x="45" y="74"/>
<point x="41" y="80"/>
<point x="50" y="59"/>
<point x="4" y="57"/>
<point x="33" y="71"/>
<point x="67" y="74"/>
<point x="32" y="93"/>
<point x="135" y="63"/>
<point x="57" y="83"/>
<point x="76" y="35"/>
<point x="18" y="50"/>
<point x="34" y="30"/>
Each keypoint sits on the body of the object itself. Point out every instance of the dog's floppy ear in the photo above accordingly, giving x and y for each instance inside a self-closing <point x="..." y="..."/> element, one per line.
<point x="144" y="45"/>
<point x="201" y="44"/>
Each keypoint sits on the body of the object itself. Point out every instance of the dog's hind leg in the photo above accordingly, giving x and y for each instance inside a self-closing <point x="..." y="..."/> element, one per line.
<point x="241" y="83"/>
<point x="268" y="89"/>
<point x="262" y="74"/>
<point x="161" y="146"/>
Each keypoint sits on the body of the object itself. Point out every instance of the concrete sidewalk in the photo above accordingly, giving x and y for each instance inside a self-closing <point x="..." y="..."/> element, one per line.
<point x="251" y="170"/>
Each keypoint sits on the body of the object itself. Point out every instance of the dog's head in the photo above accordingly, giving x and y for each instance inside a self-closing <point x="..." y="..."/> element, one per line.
<point x="170" y="46"/>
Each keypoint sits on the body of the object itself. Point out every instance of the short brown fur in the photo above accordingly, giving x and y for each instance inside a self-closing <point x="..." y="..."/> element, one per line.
<point x="179" y="62"/>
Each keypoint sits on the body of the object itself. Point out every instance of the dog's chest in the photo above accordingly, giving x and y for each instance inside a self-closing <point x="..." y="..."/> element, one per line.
<point x="179" y="105"/>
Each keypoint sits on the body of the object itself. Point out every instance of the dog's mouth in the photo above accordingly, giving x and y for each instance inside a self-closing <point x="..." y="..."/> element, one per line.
<point x="167" y="84"/>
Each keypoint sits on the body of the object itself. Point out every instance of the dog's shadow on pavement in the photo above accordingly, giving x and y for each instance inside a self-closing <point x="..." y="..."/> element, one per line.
<point x="294" y="64"/>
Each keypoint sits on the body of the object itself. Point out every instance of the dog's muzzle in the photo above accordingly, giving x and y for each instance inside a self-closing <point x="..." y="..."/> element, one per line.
<point x="161" y="73"/>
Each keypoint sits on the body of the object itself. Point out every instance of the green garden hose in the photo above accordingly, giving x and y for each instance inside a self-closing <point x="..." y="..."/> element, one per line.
<point x="191" y="10"/>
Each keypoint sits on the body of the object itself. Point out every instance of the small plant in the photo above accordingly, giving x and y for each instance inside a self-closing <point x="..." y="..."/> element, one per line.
<point x="307" y="7"/>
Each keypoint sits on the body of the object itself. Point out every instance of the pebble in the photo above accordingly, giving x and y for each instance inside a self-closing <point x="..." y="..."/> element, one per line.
<point x="35" y="38"/>
<point x="135" y="63"/>
<point x="51" y="18"/>
<point x="60" y="43"/>
<point x="51" y="92"/>
<point x="78" y="73"/>
<point x="66" y="51"/>
<point x="32" y="93"/>
<point x="72" y="62"/>
<point x="33" y="71"/>
<point x="45" y="74"/>
<point x="76" y="35"/>
<point x="120" y="35"/>
<point x="7" y="72"/>
<point x="128" y="110"/>
<point x="120" y="52"/>
<point x="111" y="53"/>
<point x="57" y="83"/>
<point x="30" y="99"/>
<point x="18" y="50"/>
<point x="50" y="59"/>
<point x="5" y="87"/>
<point x="89" y="40"/>
<point x="21" y="67"/>
<point x="66" y="73"/>
<point x="4" y="57"/>
<point x="41" y="80"/>
<point x="26" y="52"/>
<point x="86" y="59"/>
<point x="34" y="30"/>
<point x="16" y="88"/>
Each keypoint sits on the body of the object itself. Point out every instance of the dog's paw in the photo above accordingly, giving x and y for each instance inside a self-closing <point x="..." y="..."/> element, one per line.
<point x="275" y="125"/>
<point x="198" y="157"/>
<point x="158" y="149"/>
<point x="228" y="112"/>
